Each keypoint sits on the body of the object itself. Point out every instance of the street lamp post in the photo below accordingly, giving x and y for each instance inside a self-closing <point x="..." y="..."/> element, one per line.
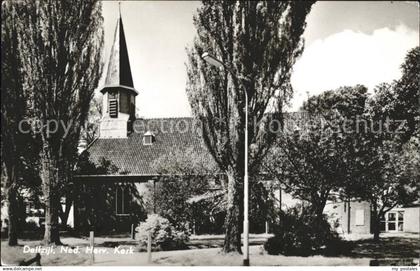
<point x="218" y="63"/>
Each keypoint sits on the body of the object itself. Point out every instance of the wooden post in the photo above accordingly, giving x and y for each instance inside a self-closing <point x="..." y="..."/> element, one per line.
<point x="266" y="227"/>
<point x="280" y="197"/>
<point x="149" y="247"/>
<point x="92" y="243"/>
<point x="348" y="217"/>
<point x="154" y="196"/>
<point x="133" y="234"/>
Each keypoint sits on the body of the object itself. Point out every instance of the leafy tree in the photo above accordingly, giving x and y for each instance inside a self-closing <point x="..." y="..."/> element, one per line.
<point x="184" y="176"/>
<point x="406" y="102"/>
<point x="259" y="42"/>
<point x="61" y="44"/>
<point x="12" y="112"/>
<point x="309" y="159"/>
<point x="395" y="182"/>
<point x="368" y="152"/>
<point x="372" y="152"/>
<point x="18" y="151"/>
<point x="393" y="144"/>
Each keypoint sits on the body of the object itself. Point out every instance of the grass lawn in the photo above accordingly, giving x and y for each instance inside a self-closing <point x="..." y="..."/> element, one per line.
<point x="205" y="250"/>
<point x="388" y="247"/>
<point x="389" y="251"/>
<point x="213" y="257"/>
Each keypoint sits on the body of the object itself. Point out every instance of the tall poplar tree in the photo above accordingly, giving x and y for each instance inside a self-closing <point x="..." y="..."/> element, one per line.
<point x="258" y="41"/>
<point x="13" y="110"/>
<point x="60" y="44"/>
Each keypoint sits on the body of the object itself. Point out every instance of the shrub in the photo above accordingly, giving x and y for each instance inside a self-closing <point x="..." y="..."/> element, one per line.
<point x="31" y="225"/>
<point x="164" y="234"/>
<point x="300" y="233"/>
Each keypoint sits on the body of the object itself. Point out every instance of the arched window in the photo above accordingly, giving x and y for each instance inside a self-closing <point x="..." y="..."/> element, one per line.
<point x="122" y="200"/>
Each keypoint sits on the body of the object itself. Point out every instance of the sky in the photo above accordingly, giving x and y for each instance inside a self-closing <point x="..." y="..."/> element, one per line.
<point x="346" y="43"/>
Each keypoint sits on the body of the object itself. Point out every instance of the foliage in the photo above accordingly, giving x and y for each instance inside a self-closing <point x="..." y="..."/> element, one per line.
<point x="163" y="233"/>
<point x="259" y="42"/>
<point x="362" y="146"/>
<point x="18" y="149"/>
<point x="207" y="212"/>
<point x="299" y="233"/>
<point x="400" y="99"/>
<point x="261" y="205"/>
<point x="191" y="194"/>
<point x="184" y="175"/>
<point x="90" y="131"/>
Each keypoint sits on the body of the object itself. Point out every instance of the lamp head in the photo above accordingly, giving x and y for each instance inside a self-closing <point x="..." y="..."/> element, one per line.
<point x="212" y="60"/>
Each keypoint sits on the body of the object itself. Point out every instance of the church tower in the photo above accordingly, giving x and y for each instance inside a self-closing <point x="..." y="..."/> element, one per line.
<point x="119" y="95"/>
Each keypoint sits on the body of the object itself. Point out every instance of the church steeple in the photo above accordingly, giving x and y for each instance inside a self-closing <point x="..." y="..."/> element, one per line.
<point x="119" y="101"/>
<point x="119" y="71"/>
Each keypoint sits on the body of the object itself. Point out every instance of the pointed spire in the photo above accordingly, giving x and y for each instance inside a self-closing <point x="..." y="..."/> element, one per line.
<point x="119" y="71"/>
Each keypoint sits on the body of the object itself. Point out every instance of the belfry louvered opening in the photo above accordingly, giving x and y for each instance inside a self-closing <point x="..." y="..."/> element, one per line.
<point x="113" y="108"/>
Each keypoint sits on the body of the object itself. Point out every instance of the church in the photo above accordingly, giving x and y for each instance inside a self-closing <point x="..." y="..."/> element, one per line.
<point x="121" y="174"/>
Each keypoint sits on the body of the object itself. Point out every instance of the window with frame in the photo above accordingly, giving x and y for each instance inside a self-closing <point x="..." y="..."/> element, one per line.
<point x="392" y="218"/>
<point x="122" y="200"/>
<point x="400" y="220"/>
<point x="392" y="221"/>
<point x="360" y="217"/>
<point x="148" y="140"/>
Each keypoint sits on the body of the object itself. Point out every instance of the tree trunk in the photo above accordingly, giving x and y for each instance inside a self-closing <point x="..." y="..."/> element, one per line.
<point x="11" y="203"/>
<point x="317" y="206"/>
<point x="234" y="216"/>
<point x="51" y="199"/>
<point x="64" y="215"/>
<point x="317" y="209"/>
<point x="376" y="223"/>
<point x="13" y="217"/>
<point x="376" y="230"/>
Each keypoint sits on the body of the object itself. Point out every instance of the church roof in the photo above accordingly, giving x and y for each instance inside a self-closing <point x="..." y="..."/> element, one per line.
<point x="119" y="71"/>
<point x="130" y="156"/>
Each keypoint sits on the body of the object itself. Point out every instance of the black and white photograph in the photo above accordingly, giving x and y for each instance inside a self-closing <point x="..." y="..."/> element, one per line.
<point x="145" y="135"/>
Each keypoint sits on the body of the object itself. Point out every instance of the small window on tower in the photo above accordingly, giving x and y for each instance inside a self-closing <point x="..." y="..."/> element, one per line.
<point x="148" y="138"/>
